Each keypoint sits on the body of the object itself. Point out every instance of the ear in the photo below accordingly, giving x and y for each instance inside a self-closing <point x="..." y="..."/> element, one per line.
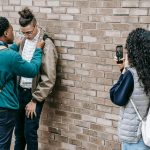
<point x="5" y="33"/>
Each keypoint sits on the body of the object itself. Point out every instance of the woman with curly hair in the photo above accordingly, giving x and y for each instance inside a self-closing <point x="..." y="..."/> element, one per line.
<point x="134" y="83"/>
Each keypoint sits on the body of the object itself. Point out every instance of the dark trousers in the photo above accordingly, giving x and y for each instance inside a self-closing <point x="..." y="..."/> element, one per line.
<point x="7" y="123"/>
<point x="26" y="128"/>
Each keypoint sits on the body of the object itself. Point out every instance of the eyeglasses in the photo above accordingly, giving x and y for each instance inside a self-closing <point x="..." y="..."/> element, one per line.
<point x="28" y="33"/>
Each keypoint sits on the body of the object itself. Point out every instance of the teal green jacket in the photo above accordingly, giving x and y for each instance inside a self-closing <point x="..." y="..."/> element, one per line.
<point x="12" y="65"/>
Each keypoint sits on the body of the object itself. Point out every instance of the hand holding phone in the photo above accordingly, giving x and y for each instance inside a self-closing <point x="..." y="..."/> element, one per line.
<point x="119" y="54"/>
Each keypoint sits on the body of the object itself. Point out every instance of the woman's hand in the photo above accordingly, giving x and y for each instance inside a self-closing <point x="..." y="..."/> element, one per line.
<point x="121" y="65"/>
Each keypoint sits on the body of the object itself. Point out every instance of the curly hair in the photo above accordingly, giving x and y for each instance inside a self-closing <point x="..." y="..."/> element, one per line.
<point x="26" y="17"/>
<point x="4" y="25"/>
<point x="138" y="49"/>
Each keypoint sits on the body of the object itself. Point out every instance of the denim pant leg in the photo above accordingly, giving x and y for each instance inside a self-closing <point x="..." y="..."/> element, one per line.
<point x="26" y="128"/>
<point x="19" y="131"/>
<point x="135" y="146"/>
<point x="24" y="97"/>
<point x="7" y="123"/>
<point x="31" y="127"/>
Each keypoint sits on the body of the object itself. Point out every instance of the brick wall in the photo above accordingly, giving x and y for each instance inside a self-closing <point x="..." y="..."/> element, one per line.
<point x="80" y="115"/>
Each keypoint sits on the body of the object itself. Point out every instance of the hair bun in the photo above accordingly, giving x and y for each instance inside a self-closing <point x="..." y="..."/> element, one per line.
<point x="26" y="13"/>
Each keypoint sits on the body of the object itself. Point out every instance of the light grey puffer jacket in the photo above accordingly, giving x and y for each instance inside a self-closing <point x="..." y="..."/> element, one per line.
<point x="129" y="126"/>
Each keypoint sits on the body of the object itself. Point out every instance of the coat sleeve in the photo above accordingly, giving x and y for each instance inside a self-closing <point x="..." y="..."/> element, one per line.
<point x="48" y="72"/>
<point x="122" y="90"/>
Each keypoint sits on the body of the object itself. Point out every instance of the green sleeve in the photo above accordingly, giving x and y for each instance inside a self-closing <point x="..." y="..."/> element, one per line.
<point x="23" y="68"/>
<point x="14" y="47"/>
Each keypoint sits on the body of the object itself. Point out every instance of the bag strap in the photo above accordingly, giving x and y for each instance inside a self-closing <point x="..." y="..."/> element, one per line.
<point x="136" y="110"/>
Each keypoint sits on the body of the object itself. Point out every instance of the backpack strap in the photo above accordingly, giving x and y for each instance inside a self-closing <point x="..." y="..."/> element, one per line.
<point x="136" y="109"/>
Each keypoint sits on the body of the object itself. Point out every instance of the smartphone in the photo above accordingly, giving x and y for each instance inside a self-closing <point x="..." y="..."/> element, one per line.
<point x="119" y="54"/>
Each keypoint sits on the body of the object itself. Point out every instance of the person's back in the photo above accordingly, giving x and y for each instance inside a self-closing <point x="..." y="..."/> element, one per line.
<point x="129" y="129"/>
<point x="8" y="97"/>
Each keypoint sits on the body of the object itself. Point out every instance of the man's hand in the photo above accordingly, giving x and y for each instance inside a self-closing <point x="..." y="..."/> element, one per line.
<point x="40" y="44"/>
<point x="18" y="41"/>
<point x="30" y="109"/>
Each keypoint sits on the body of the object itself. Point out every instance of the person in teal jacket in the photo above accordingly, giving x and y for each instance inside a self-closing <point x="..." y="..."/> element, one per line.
<point x="11" y="66"/>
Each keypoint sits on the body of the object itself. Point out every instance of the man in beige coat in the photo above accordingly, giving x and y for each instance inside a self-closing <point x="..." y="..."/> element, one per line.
<point x="33" y="92"/>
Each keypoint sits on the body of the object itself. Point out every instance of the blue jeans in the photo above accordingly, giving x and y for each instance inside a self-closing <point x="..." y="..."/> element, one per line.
<point x="26" y="128"/>
<point x="135" y="146"/>
<point x="7" y="123"/>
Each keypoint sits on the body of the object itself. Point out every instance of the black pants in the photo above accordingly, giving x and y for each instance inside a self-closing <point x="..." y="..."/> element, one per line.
<point x="26" y="128"/>
<point x="7" y="123"/>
